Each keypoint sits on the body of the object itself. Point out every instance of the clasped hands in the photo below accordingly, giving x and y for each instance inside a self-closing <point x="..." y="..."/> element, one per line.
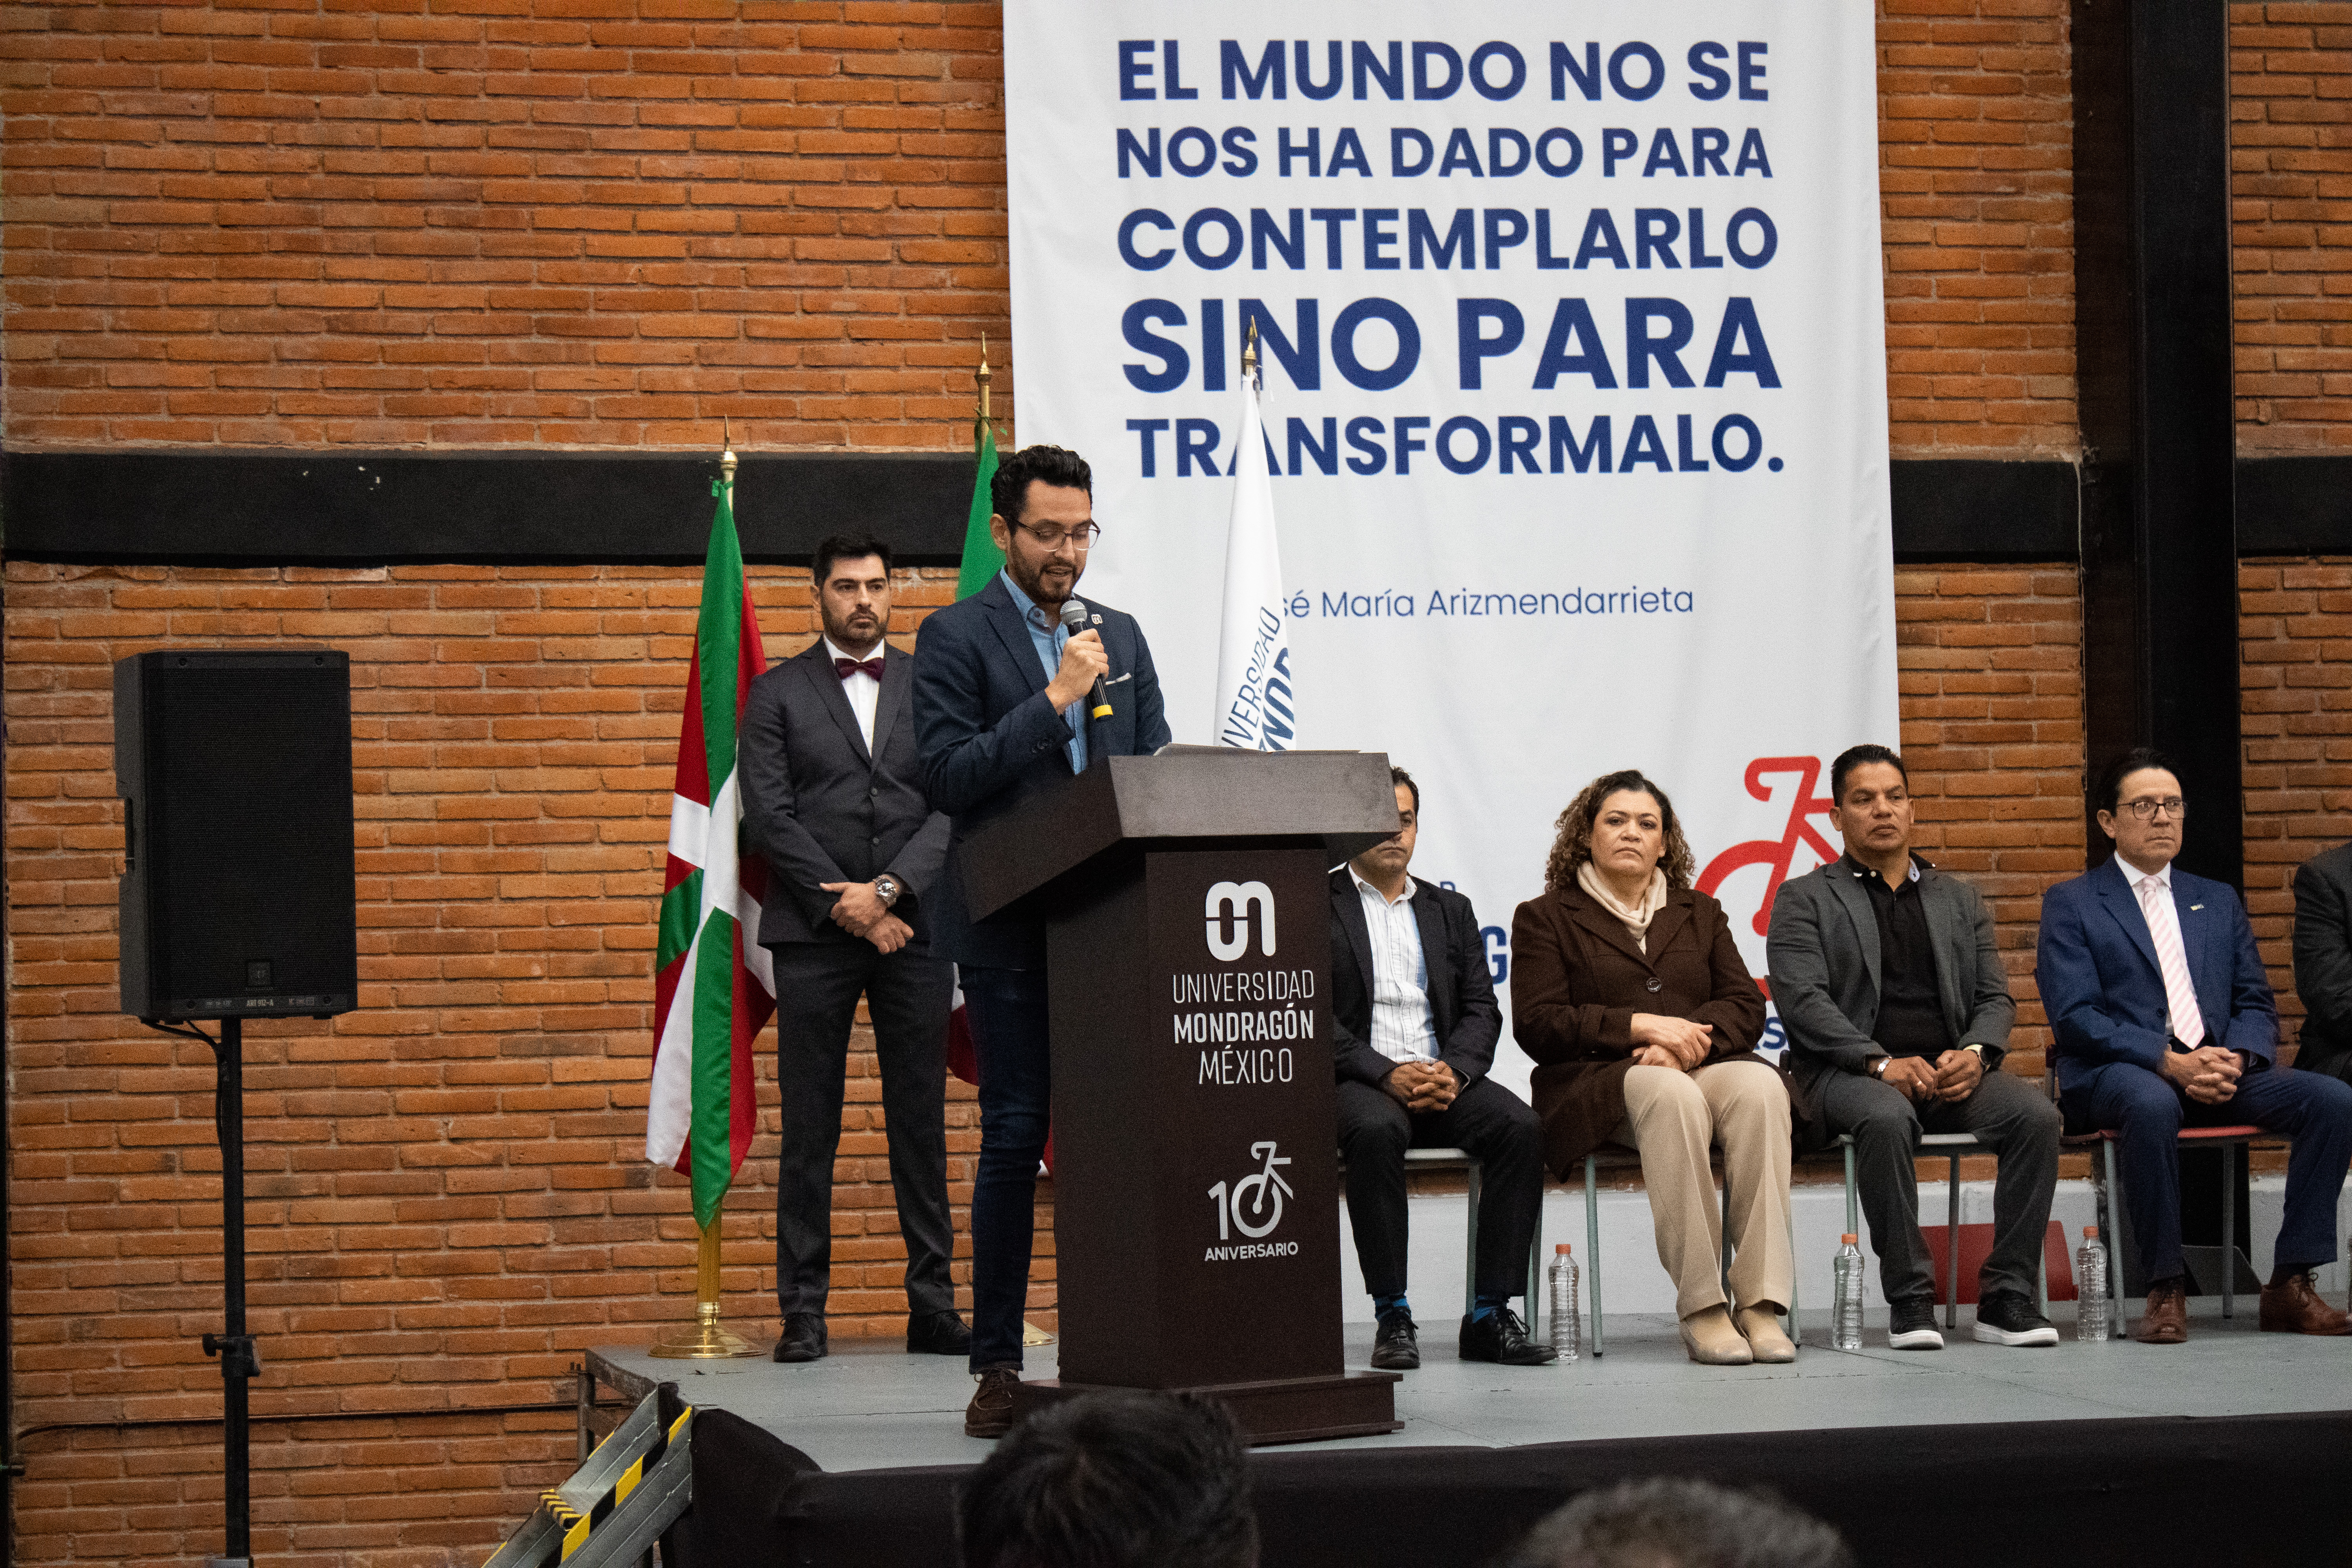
<point x="860" y="912"/>
<point x="1951" y="1077"/>
<point x="1662" y="1041"/>
<point x="1422" y="1087"/>
<point x="2208" y="1075"/>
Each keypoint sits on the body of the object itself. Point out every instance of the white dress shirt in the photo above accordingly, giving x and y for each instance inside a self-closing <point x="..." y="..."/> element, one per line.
<point x="864" y="692"/>
<point x="1405" y="1029"/>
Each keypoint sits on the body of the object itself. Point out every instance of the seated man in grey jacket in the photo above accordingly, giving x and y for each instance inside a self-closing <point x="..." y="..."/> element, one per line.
<point x="1897" y="1011"/>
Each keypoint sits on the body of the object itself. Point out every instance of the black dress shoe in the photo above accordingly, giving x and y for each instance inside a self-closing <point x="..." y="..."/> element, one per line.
<point x="938" y="1333"/>
<point x="1394" y="1346"/>
<point x="1499" y="1337"/>
<point x="804" y="1337"/>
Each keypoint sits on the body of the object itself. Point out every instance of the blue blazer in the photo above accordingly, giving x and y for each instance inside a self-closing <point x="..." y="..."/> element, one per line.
<point x="990" y="740"/>
<point x="2095" y="964"/>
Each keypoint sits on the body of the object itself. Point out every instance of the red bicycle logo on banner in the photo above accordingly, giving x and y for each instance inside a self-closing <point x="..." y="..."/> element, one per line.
<point x="1776" y="854"/>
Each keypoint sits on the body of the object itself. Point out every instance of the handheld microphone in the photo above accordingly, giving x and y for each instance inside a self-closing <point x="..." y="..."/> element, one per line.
<point x="1074" y="620"/>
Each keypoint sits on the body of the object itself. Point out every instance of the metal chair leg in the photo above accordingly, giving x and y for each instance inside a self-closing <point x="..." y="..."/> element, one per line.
<point x="1789" y="1218"/>
<point x="1593" y="1253"/>
<point x="2111" y="1206"/>
<point x="1535" y="1263"/>
<point x="1853" y="1212"/>
<point x="1952" y="1246"/>
<point x="2228" y="1229"/>
<point x="1723" y="1226"/>
<point x="1470" y="1251"/>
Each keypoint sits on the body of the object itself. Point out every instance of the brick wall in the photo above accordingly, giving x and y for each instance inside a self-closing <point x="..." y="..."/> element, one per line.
<point x="2295" y="629"/>
<point x="569" y="222"/>
<point x="2291" y="192"/>
<point x="1976" y="182"/>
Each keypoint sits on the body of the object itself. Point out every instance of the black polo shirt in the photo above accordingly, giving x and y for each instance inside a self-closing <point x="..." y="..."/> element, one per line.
<point x="1910" y="1008"/>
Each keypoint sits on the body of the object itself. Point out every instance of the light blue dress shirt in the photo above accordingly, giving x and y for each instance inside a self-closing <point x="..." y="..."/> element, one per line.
<point x="1049" y="637"/>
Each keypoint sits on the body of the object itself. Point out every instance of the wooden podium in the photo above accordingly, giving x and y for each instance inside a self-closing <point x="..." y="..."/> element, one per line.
<point x="1196" y="1209"/>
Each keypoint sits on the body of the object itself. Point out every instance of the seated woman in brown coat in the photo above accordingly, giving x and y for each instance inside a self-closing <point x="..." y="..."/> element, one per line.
<point x="1628" y="992"/>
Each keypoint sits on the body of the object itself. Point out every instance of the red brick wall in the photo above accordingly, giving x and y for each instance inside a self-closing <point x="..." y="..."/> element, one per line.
<point x="2291" y="195"/>
<point x="552" y="222"/>
<point x="2296" y="630"/>
<point x="1976" y="182"/>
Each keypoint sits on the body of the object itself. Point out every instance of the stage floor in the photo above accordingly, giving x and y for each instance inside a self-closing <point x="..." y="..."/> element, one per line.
<point x="869" y="1405"/>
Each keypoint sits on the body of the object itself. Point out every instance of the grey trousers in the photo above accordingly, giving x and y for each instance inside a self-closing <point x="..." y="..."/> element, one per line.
<point x="2008" y="1115"/>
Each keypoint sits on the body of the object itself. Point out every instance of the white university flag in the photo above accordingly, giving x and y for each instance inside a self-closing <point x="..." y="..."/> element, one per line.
<point x="1255" y="709"/>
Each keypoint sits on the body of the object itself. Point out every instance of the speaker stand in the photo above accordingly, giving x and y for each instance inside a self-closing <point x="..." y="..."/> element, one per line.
<point x="239" y="1361"/>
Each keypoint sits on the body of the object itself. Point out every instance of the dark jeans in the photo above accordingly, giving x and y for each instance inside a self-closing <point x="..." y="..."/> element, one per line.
<point x="907" y="993"/>
<point x="1486" y="1121"/>
<point x="1006" y="1008"/>
<point x="2011" y="1117"/>
<point x="2149" y="1111"/>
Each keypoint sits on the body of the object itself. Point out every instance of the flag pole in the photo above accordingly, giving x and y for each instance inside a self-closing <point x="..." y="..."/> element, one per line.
<point x="706" y="1339"/>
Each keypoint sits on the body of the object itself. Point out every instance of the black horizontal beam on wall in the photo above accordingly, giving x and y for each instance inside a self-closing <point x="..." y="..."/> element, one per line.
<point x="339" y="509"/>
<point x="250" y="509"/>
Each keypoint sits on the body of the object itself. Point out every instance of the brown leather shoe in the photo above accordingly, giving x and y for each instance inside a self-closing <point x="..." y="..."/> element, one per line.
<point x="2295" y="1308"/>
<point x="2167" y="1322"/>
<point x="990" y="1413"/>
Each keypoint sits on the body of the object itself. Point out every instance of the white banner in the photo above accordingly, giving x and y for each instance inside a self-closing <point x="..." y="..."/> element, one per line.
<point x="1574" y="388"/>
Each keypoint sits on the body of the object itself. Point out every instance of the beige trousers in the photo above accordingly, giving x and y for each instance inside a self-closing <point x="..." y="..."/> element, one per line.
<point x="1672" y="1117"/>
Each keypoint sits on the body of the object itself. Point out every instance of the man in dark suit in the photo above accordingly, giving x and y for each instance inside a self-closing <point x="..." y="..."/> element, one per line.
<point x="832" y="800"/>
<point x="1002" y="715"/>
<point x="2164" y="1019"/>
<point x="2323" y="961"/>
<point x="1891" y="989"/>
<point x="1415" y="1024"/>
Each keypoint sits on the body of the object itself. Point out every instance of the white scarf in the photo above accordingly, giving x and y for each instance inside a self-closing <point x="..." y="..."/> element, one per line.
<point x="1636" y="918"/>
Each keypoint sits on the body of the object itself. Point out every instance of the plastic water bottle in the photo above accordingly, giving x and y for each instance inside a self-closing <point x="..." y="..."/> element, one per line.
<point x="2091" y="1314"/>
<point x="1845" y="1295"/>
<point x="1567" y="1324"/>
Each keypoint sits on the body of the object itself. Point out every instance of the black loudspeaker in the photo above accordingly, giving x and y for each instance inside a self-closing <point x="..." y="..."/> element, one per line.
<point x="239" y="879"/>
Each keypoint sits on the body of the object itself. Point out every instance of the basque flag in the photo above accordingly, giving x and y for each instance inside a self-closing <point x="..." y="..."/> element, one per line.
<point x="714" y="987"/>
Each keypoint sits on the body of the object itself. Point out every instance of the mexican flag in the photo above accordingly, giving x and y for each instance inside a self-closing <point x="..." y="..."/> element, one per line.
<point x="713" y="986"/>
<point x="981" y="559"/>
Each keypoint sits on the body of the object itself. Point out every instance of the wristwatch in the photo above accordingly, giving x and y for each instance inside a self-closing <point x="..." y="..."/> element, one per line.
<point x="1878" y="1066"/>
<point x="886" y="888"/>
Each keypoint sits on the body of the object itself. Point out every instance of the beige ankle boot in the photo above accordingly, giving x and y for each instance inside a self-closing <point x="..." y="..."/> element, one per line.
<point x="1712" y="1341"/>
<point x="1761" y="1327"/>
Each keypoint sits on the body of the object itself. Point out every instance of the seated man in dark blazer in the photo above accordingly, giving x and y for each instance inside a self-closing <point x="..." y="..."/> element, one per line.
<point x="2164" y="1019"/>
<point x="1002" y="715"/>
<point x="1415" y="1024"/>
<point x="832" y="800"/>
<point x="2323" y="961"/>
<point x="1891" y="989"/>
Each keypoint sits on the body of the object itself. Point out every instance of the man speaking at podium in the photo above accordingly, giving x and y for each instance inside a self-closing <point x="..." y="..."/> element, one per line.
<point x="1007" y="706"/>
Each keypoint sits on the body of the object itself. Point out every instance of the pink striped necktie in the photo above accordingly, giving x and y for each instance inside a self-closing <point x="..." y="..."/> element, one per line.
<point x="2180" y="995"/>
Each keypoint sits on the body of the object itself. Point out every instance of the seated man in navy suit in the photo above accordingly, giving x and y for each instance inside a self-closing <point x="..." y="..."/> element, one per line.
<point x="2163" y="1020"/>
<point x="1414" y="1023"/>
<point x="1002" y="716"/>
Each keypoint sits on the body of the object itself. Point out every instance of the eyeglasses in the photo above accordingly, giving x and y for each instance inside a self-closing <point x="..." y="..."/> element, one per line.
<point x="1082" y="537"/>
<point x="2172" y="806"/>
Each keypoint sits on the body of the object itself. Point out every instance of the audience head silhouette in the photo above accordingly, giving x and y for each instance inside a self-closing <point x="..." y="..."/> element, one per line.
<point x="1113" y="1480"/>
<point x="1675" y="1523"/>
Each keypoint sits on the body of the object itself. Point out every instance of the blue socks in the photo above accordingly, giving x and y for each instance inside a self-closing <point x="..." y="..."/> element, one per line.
<point x="1384" y="1305"/>
<point x="1486" y="1306"/>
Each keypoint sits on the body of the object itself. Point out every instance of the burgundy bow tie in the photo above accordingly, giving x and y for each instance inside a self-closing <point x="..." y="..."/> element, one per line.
<point x="846" y="667"/>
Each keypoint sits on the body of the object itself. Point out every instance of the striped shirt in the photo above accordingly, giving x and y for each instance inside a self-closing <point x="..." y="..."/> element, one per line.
<point x="1404" y="1029"/>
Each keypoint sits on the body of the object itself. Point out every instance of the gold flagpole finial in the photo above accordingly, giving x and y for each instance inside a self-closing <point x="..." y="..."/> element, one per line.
<point x="983" y="378"/>
<point x="1249" y="355"/>
<point x="727" y="452"/>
